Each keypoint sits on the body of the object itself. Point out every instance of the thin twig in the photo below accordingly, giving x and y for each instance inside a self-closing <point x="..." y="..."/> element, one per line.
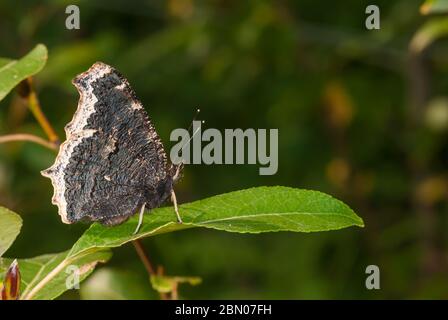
<point x="34" y="105"/>
<point x="144" y="257"/>
<point x="30" y="138"/>
<point x="148" y="266"/>
<point x="419" y="88"/>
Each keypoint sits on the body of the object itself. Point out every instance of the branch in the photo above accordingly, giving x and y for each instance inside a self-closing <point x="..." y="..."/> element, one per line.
<point x="30" y="138"/>
<point x="148" y="266"/>
<point x="144" y="257"/>
<point x="26" y="91"/>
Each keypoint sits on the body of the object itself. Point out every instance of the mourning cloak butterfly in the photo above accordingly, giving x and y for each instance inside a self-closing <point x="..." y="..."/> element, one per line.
<point x="113" y="161"/>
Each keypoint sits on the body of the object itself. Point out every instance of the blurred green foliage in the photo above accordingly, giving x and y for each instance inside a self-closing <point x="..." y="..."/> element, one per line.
<point x="359" y="116"/>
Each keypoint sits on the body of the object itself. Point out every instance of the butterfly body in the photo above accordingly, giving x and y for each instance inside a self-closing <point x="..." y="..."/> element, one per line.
<point x="113" y="161"/>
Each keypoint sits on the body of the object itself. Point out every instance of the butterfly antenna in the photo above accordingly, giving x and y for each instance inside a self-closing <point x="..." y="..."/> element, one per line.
<point x="194" y="133"/>
<point x="191" y="125"/>
<point x="194" y="119"/>
<point x="173" y="195"/>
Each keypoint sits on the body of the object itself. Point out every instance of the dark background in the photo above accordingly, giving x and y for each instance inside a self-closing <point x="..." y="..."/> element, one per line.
<point x="360" y="116"/>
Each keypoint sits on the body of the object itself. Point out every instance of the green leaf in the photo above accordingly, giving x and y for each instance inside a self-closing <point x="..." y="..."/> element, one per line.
<point x="431" y="31"/>
<point x="255" y="210"/>
<point x="4" y="61"/>
<point x="14" y="71"/>
<point x="434" y="6"/>
<point x="166" y="284"/>
<point x="10" y="225"/>
<point x="45" y="277"/>
<point x="263" y="209"/>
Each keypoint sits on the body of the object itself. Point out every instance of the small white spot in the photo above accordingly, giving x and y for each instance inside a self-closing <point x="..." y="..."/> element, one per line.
<point x="120" y="86"/>
<point x="136" y="106"/>
<point x="107" y="178"/>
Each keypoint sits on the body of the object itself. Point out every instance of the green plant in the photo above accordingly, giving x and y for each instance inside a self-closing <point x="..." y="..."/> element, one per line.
<point x="254" y="210"/>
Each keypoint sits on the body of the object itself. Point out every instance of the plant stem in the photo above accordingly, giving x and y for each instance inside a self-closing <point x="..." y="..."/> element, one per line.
<point x="34" y="105"/>
<point x="419" y="75"/>
<point x="143" y="256"/>
<point x="148" y="266"/>
<point x="28" y="137"/>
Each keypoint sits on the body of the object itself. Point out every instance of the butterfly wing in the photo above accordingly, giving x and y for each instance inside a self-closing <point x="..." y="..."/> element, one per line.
<point x="113" y="161"/>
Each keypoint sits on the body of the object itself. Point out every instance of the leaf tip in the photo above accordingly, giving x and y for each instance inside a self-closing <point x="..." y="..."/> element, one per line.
<point x="360" y="222"/>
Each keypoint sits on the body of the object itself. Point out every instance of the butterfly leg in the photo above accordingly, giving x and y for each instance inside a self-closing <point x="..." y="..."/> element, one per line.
<point x="173" y="198"/>
<point x="140" y="218"/>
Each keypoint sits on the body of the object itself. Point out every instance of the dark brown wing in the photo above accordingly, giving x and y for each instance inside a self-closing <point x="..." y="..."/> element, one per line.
<point x="113" y="160"/>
